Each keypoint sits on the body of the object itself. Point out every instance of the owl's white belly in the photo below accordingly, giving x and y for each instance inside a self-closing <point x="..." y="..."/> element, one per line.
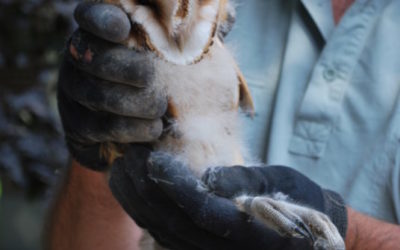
<point x="206" y="131"/>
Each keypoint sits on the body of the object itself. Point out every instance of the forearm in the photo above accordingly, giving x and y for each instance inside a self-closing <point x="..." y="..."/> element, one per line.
<point x="367" y="233"/>
<point x="85" y="215"/>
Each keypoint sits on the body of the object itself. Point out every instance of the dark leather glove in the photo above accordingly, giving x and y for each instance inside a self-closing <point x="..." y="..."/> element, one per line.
<point x="164" y="197"/>
<point x="104" y="89"/>
<point x="230" y="182"/>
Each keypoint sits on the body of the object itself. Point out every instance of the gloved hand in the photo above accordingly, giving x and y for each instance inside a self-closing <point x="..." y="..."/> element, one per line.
<point x="180" y="212"/>
<point x="231" y="182"/>
<point x="104" y="89"/>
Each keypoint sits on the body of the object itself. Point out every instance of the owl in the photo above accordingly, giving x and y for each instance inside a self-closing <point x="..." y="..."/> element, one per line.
<point x="206" y="90"/>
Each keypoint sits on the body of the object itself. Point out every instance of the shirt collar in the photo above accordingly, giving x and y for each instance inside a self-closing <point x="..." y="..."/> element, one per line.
<point x="321" y="13"/>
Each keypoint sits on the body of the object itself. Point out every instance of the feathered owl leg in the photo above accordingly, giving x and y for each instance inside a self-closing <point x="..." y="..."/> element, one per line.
<point x="289" y="219"/>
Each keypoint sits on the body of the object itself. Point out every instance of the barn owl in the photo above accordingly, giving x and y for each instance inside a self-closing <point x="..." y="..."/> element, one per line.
<point x="205" y="89"/>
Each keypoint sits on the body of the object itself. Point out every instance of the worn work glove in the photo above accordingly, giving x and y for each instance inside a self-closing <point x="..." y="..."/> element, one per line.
<point x="231" y="182"/>
<point x="182" y="212"/>
<point x="104" y="89"/>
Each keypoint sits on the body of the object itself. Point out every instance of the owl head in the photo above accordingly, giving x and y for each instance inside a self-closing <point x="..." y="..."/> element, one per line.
<point x="179" y="31"/>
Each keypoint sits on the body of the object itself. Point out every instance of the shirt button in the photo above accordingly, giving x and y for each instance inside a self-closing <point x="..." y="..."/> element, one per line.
<point x="329" y="74"/>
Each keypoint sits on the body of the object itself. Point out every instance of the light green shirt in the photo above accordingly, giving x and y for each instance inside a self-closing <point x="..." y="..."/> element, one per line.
<point x="326" y="96"/>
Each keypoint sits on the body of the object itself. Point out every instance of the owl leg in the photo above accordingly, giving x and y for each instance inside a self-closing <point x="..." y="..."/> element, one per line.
<point x="289" y="219"/>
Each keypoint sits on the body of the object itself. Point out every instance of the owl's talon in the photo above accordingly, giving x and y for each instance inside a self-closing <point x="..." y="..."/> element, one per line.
<point x="293" y="220"/>
<point x="305" y="231"/>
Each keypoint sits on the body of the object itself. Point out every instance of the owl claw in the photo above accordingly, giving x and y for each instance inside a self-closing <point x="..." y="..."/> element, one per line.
<point x="304" y="231"/>
<point x="293" y="220"/>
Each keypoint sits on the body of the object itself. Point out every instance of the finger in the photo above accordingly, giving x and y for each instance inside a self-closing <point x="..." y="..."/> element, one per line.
<point x="100" y="95"/>
<point x="103" y="20"/>
<point x="138" y="194"/>
<point x="230" y="182"/>
<point x="109" y="61"/>
<point x="87" y="126"/>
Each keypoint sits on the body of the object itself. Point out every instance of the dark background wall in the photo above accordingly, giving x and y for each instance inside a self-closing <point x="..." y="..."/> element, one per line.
<point x="32" y="150"/>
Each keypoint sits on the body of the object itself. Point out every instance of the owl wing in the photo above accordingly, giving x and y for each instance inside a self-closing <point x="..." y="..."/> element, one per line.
<point x="245" y="101"/>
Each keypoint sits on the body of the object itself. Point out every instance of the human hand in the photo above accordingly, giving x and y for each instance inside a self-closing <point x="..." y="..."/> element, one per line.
<point x="105" y="91"/>
<point x="164" y="197"/>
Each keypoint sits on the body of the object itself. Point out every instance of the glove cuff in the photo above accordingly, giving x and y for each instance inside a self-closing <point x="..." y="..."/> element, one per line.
<point x="335" y="208"/>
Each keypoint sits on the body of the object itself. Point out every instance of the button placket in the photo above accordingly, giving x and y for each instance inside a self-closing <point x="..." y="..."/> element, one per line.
<point x="321" y="104"/>
<point x="329" y="74"/>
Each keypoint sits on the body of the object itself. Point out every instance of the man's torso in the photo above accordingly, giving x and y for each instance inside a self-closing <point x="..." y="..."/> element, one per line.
<point x="327" y="97"/>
